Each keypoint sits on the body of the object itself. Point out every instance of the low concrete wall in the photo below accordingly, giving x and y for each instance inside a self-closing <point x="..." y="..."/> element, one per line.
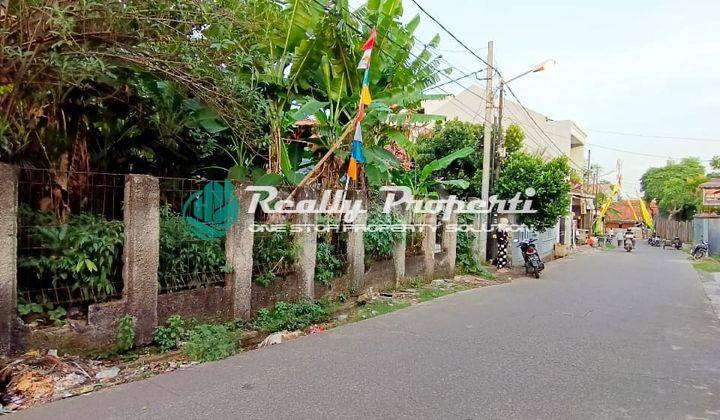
<point x="205" y="305"/>
<point x="288" y="288"/>
<point x="239" y="298"/>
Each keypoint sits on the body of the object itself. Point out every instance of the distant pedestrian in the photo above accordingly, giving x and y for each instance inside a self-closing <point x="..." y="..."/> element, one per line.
<point x="502" y="238"/>
<point x="619" y="236"/>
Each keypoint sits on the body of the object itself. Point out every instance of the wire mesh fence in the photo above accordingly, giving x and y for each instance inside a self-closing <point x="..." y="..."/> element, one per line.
<point x="275" y="250"/>
<point x="70" y="239"/>
<point x="331" y="255"/>
<point x="187" y="260"/>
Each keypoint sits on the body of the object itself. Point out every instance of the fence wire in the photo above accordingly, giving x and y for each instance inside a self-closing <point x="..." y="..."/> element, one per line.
<point x="70" y="239"/>
<point x="187" y="261"/>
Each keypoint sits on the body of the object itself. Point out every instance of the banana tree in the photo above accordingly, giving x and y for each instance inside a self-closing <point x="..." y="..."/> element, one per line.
<point x="421" y="181"/>
<point x="314" y="75"/>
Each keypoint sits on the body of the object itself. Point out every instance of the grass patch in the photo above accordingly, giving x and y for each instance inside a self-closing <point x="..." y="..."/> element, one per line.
<point x="709" y="265"/>
<point x="377" y="308"/>
<point x="429" y="294"/>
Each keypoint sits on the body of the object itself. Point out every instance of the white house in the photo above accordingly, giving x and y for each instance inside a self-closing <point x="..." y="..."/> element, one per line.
<point x="550" y="138"/>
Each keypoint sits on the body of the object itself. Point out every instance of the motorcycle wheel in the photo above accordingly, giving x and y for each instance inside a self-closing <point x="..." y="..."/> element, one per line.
<point x="699" y="255"/>
<point x="536" y="272"/>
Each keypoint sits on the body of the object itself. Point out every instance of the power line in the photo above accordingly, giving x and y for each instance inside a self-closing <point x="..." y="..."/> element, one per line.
<point x="451" y="80"/>
<point x="652" y="136"/>
<point x="456" y="79"/>
<point x="453" y="36"/>
<point x="524" y="108"/>
<point x="638" y="153"/>
<point x="493" y="68"/>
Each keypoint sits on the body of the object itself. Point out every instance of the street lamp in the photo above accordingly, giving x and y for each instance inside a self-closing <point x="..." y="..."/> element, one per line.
<point x="545" y="65"/>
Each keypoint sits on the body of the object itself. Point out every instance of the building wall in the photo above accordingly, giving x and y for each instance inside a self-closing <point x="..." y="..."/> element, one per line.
<point x="542" y="135"/>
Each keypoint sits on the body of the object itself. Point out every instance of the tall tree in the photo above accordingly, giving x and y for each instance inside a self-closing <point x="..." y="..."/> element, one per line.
<point x="675" y="187"/>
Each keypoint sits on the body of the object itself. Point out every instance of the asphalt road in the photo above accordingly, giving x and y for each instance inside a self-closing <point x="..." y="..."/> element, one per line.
<point x="600" y="335"/>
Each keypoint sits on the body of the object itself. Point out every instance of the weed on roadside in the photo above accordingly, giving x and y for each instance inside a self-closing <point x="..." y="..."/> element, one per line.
<point x="709" y="265"/>
<point x="291" y="316"/>
<point x="208" y="343"/>
<point x="376" y="308"/>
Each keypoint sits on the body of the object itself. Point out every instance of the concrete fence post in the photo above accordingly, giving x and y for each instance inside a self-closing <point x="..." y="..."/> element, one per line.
<point x="8" y="254"/>
<point x="449" y="242"/>
<point x="428" y="243"/>
<point x="399" y="249"/>
<point x="141" y="255"/>
<point x="239" y="256"/>
<point x="356" y="249"/>
<point x="306" y="240"/>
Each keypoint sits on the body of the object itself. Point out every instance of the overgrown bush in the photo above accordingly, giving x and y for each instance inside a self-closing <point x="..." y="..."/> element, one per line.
<point x="466" y="262"/>
<point x="207" y="343"/>
<point x="291" y="316"/>
<point x="328" y="264"/>
<point x="84" y="253"/>
<point x="273" y="254"/>
<point x="43" y="310"/>
<point x="168" y="337"/>
<point x="549" y="180"/>
<point x="183" y="254"/>
<point x="379" y="241"/>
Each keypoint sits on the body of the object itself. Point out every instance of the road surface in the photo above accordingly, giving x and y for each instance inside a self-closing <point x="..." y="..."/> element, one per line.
<point x="600" y="335"/>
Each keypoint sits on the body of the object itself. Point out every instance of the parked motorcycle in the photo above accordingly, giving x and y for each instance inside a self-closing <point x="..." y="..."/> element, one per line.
<point x="675" y="243"/>
<point x="655" y="241"/>
<point x="533" y="264"/>
<point x="701" y="250"/>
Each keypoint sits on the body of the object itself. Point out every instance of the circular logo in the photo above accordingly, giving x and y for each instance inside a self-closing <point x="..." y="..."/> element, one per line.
<point x="211" y="212"/>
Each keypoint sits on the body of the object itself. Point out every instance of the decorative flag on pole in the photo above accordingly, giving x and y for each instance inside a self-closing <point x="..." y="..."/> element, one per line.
<point x="646" y="215"/>
<point x="356" y="153"/>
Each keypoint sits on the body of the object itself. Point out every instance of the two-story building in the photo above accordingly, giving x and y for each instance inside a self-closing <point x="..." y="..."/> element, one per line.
<point x="543" y="135"/>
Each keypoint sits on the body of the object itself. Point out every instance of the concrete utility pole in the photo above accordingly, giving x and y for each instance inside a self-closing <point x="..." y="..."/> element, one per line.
<point x="480" y="244"/>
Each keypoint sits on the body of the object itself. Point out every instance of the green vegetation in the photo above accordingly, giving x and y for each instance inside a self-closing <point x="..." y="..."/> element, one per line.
<point x="45" y="310"/>
<point x="549" y="180"/>
<point x="377" y="308"/>
<point x="379" y="242"/>
<point x="168" y="337"/>
<point x="125" y="334"/>
<point x="82" y="254"/>
<point x="273" y="254"/>
<point x="328" y="264"/>
<point x="183" y="254"/>
<point x="207" y="343"/>
<point x="709" y="265"/>
<point x="466" y="262"/>
<point x="429" y="293"/>
<point x="449" y="137"/>
<point x="291" y="316"/>
<point x="675" y="187"/>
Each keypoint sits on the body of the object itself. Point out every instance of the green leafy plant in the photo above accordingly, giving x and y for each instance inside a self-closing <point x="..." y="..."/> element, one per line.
<point x="168" y="337"/>
<point x="125" y="334"/>
<point x="184" y="255"/>
<point x="84" y="253"/>
<point x="291" y="316"/>
<point x="549" y="180"/>
<point x="273" y="254"/>
<point x="206" y="343"/>
<point x="466" y="262"/>
<point x="379" y="241"/>
<point x="327" y="265"/>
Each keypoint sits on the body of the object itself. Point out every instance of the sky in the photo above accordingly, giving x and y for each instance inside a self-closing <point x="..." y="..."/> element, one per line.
<point x="633" y="66"/>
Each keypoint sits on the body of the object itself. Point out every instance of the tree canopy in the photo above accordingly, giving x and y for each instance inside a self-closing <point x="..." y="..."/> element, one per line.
<point x="675" y="187"/>
<point x="549" y="180"/>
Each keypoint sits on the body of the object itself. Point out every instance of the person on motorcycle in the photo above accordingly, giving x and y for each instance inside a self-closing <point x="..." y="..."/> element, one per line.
<point x="629" y="234"/>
